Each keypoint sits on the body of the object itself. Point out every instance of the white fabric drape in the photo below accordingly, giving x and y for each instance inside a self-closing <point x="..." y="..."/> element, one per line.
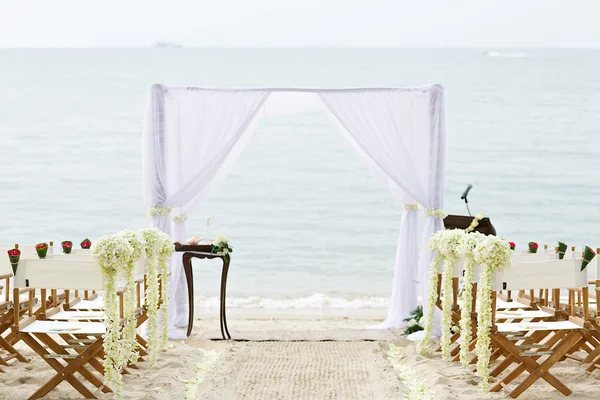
<point x="190" y="136"/>
<point x="401" y="133"/>
<point x="193" y="136"/>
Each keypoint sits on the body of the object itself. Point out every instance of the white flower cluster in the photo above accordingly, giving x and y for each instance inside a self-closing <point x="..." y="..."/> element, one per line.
<point x="474" y="223"/>
<point x="432" y="212"/>
<point x="221" y="245"/>
<point x="465" y="249"/>
<point x="202" y="369"/>
<point x="414" y="322"/>
<point x="415" y="387"/>
<point x="492" y="253"/>
<point x="180" y="219"/>
<point x="154" y="211"/>
<point x="117" y="255"/>
<point x="444" y="243"/>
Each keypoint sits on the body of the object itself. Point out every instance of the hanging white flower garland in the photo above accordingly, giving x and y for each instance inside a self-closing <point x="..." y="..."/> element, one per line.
<point x="492" y="254"/>
<point x="136" y="240"/>
<point x="153" y="243"/>
<point x="444" y="244"/>
<point x="166" y="251"/>
<point x="465" y="249"/>
<point x="474" y="223"/>
<point x="113" y="253"/>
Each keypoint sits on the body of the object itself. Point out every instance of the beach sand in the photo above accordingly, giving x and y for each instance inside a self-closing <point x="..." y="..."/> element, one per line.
<point x="292" y="355"/>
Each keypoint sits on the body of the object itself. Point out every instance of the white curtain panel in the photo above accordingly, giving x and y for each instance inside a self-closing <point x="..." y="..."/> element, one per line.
<point x="402" y="133"/>
<point x="191" y="137"/>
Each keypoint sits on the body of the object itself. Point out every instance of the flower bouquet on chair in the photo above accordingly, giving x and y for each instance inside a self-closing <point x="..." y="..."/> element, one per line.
<point x="512" y="245"/>
<point x="85" y="243"/>
<point x="221" y="245"/>
<point x="587" y="256"/>
<point x="533" y="247"/>
<point x="41" y="249"/>
<point x="562" y="249"/>
<point x="67" y="246"/>
<point x="14" y="255"/>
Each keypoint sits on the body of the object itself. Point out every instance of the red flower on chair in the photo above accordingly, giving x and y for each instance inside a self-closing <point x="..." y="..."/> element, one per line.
<point x="512" y="245"/>
<point x="533" y="246"/>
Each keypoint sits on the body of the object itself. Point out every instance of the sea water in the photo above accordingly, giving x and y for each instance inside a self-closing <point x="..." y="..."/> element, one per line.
<point x="310" y="226"/>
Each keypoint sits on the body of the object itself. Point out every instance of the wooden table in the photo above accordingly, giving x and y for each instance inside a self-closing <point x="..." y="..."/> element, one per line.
<point x="203" y="251"/>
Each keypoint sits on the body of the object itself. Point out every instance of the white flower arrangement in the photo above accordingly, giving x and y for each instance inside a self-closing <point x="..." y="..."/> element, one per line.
<point x="221" y="245"/>
<point x="444" y="244"/>
<point x="411" y="207"/>
<point x="137" y="242"/>
<point x="205" y="366"/>
<point x="113" y="253"/>
<point x="167" y="248"/>
<point x="153" y="242"/>
<point x="465" y="249"/>
<point x="415" y="387"/>
<point x="474" y="223"/>
<point x="492" y="254"/>
<point x="154" y="211"/>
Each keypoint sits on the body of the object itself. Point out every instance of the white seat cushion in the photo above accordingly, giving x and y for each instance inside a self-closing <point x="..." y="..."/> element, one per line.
<point x="96" y="304"/>
<point x="78" y="316"/>
<point x="536" y="326"/>
<point x="521" y="314"/>
<point x="86" y="328"/>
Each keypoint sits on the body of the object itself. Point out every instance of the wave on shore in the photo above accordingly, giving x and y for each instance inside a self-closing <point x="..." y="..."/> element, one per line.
<point x="314" y="301"/>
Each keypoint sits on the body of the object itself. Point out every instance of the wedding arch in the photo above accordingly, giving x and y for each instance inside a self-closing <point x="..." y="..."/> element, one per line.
<point x="193" y="135"/>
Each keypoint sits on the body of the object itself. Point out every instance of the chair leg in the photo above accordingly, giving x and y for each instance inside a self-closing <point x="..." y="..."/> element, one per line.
<point x="63" y="372"/>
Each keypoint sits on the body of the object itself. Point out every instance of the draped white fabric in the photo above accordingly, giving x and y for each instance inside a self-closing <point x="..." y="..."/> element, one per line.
<point x="191" y="134"/>
<point x="193" y="137"/>
<point x="402" y="132"/>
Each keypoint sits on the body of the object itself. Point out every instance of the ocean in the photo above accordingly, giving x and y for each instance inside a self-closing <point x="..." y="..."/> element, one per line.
<point x="310" y="226"/>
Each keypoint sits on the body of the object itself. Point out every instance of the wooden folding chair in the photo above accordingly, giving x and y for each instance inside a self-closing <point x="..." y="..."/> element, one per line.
<point x="69" y="347"/>
<point x="535" y="347"/>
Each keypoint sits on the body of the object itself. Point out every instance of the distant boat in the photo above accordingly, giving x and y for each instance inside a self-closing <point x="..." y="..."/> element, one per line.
<point x="505" y="54"/>
<point x="166" y="45"/>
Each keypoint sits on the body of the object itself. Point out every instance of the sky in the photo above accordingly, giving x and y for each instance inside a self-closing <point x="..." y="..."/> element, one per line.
<point x="301" y="23"/>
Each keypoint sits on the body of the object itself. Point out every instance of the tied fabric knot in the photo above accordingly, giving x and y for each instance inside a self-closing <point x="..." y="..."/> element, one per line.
<point x="158" y="211"/>
<point x="180" y="219"/>
<point x="411" y="207"/>
<point x="435" y="213"/>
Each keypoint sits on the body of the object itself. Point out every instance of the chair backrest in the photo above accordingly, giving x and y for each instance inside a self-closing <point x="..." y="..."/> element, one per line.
<point x="549" y="274"/>
<point x="59" y="274"/>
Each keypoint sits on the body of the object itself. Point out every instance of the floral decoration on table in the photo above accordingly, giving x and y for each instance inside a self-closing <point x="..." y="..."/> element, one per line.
<point x="562" y="249"/>
<point x="221" y="245"/>
<point x="443" y="244"/>
<point x="533" y="247"/>
<point x="41" y="249"/>
<point x="416" y="321"/>
<point x="492" y="254"/>
<point x="465" y="249"/>
<point x="474" y="223"/>
<point x="85" y="243"/>
<point x="588" y="255"/>
<point x="14" y="256"/>
<point x="512" y="245"/>
<point x="67" y="246"/>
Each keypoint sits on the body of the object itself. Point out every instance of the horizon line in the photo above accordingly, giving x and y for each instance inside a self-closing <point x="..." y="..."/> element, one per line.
<point x="213" y="47"/>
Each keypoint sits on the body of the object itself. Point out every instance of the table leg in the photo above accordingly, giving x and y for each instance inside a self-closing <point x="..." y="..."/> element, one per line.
<point x="226" y="270"/>
<point x="222" y="301"/>
<point x="189" y="277"/>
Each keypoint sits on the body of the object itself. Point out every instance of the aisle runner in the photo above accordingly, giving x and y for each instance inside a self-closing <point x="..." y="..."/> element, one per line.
<point x="306" y="370"/>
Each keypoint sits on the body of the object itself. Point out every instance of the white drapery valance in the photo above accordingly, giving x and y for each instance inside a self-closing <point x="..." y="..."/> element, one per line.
<point x="193" y="136"/>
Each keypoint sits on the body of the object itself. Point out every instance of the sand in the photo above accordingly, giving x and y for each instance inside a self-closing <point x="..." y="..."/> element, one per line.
<point x="293" y="356"/>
